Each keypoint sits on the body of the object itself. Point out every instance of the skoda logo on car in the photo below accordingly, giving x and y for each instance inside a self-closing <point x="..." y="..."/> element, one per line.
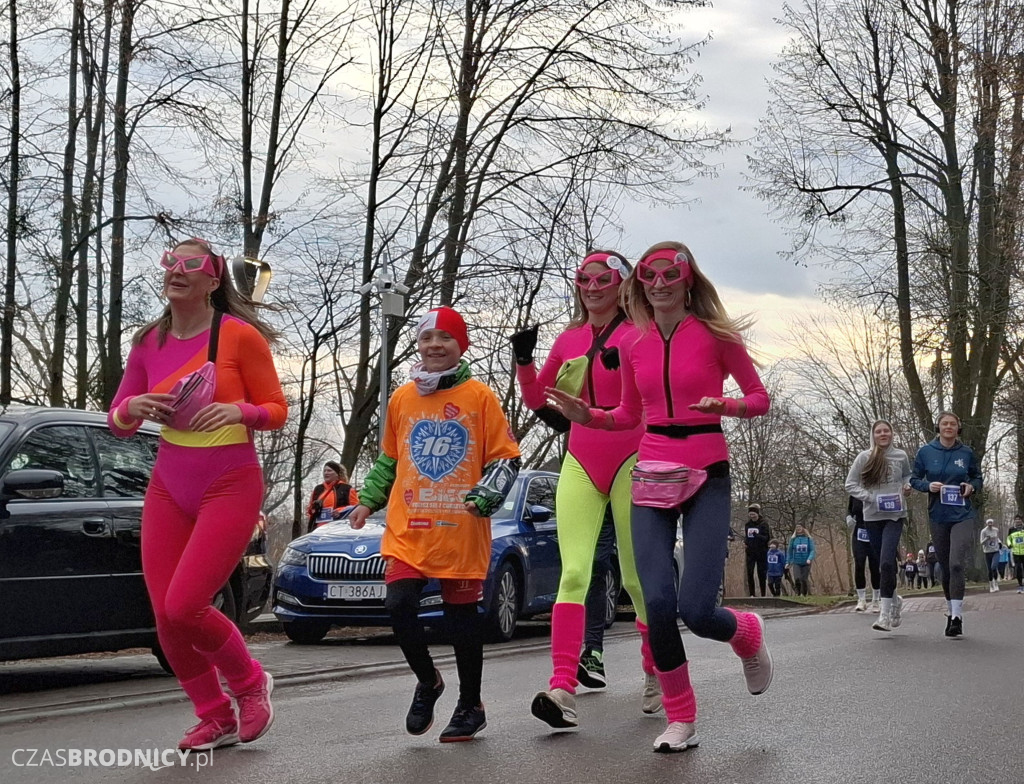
<point x="360" y="549"/>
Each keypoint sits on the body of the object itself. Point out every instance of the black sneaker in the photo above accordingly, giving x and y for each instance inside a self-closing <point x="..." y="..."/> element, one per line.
<point x="590" y="671"/>
<point x="421" y="712"/>
<point x="465" y="724"/>
<point x="956" y="627"/>
<point x="949" y="625"/>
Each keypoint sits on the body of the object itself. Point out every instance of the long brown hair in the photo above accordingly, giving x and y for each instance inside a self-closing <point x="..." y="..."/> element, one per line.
<point x="876" y="470"/>
<point x="579" y="310"/>
<point x="225" y="298"/>
<point x="703" y="300"/>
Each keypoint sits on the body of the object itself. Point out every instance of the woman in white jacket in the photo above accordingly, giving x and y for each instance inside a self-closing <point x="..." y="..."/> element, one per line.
<point x="879" y="478"/>
<point x="990" y="547"/>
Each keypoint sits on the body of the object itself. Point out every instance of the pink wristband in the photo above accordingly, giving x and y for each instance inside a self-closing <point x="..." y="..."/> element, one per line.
<point x="732" y="406"/>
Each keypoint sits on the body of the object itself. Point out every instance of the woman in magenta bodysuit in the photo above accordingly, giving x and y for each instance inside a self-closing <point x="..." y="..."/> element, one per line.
<point x="595" y="472"/>
<point x="205" y="493"/>
<point x="672" y="380"/>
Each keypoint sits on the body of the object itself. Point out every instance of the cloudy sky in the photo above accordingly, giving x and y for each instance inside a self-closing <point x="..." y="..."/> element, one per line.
<point x="728" y="230"/>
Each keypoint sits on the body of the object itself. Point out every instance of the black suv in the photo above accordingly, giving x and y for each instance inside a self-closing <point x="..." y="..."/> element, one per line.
<point x="70" y="522"/>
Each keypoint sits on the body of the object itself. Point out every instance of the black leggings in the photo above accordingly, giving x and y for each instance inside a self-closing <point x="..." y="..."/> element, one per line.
<point x="464" y="628"/>
<point x="885" y="538"/>
<point x="864" y="552"/>
<point x="760" y="563"/>
<point x="596" y="598"/>
<point x="993" y="565"/>
<point x="953" y="542"/>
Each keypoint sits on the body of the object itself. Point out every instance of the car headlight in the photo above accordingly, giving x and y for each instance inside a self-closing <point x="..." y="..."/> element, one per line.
<point x="293" y="557"/>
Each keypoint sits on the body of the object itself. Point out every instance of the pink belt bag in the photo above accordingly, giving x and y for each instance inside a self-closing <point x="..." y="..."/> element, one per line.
<point x="664" y="485"/>
<point x="194" y="392"/>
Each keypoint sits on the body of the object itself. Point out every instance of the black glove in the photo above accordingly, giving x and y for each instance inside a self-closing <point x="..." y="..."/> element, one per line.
<point x="553" y="419"/>
<point x="610" y="357"/>
<point x="523" y="344"/>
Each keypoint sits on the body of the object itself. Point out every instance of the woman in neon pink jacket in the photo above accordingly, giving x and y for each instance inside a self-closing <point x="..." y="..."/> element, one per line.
<point x="672" y="381"/>
<point x="595" y="473"/>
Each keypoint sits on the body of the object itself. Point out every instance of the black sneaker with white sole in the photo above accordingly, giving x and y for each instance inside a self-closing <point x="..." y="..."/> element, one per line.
<point x="590" y="672"/>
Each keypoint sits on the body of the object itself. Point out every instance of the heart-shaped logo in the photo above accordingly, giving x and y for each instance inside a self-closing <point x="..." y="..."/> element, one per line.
<point x="408" y="497"/>
<point x="451" y="410"/>
<point x="437" y="448"/>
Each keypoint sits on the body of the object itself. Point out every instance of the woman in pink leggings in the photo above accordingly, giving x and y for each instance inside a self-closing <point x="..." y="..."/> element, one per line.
<point x="205" y="493"/>
<point x="673" y="376"/>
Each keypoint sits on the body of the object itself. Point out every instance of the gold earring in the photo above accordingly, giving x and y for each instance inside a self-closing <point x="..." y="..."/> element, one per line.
<point x="209" y="299"/>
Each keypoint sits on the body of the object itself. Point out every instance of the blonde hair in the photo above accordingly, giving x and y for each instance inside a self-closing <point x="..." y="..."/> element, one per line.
<point x="703" y="300"/>
<point x="580" y="314"/>
<point x="225" y="298"/>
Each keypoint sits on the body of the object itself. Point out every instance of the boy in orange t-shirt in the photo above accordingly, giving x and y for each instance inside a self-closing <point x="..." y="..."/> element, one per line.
<point x="448" y="459"/>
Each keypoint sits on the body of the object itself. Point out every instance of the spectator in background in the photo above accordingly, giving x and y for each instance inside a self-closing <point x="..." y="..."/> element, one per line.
<point x="1004" y="560"/>
<point x="922" y="570"/>
<point x="800" y="556"/>
<point x="1015" y="541"/>
<point x="330" y="496"/>
<point x="776" y="567"/>
<point x="910" y="570"/>
<point x="758" y="534"/>
<point x="932" y="557"/>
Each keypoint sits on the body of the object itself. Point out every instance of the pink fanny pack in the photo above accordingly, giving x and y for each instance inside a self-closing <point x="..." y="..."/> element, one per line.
<point x="665" y="485"/>
<point x="194" y="392"/>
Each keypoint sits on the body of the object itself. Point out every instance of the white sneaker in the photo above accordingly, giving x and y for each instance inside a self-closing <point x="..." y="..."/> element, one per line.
<point x="861" y="606"/>
<point x="875" y="607"/>
<point x="758" y="669"/>
<point x="678" y="736"/>
<point x="557" y="708"/>
<point x="995" y="584"/>
<point x="882" y="623"/>
<point x="652" y="694"/>
<point x="896" y="613"/>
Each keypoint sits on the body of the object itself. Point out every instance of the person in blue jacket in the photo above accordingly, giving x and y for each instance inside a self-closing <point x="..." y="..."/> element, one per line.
<point x="947" y="469"/>
<point x="800" y="555"/>
<point x="776" y="567"/>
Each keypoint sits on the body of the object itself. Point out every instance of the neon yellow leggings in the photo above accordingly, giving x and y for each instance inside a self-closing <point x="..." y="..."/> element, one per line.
<point x="581" y="507"/>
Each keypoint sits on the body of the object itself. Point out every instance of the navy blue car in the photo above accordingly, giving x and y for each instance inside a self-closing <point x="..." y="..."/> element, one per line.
<point x="334" y="576"/>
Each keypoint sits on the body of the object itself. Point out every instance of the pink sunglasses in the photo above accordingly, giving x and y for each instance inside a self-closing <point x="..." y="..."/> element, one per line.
<point x="613" y="276"/>
<point x="207" y="263"/>
<point x="678" y="271"/>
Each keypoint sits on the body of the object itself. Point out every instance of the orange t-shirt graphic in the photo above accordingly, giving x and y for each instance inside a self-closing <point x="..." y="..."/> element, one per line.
<point x="442" y="442"/>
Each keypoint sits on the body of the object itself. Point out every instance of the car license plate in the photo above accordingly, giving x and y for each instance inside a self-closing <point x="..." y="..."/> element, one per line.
<point x="356" y="590"/>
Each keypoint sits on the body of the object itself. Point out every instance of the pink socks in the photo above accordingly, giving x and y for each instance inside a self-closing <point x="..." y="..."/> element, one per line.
<point x="646" y="657"/>
<point x="747" y="640"/>
<point x="677" y="694"/>
<point x="567" y="626"/>
<point x="208" y="698"/>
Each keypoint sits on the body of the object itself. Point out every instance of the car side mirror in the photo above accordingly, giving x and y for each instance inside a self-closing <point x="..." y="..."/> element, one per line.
<point x="539" y="514"/>
<point x="31" y="483"/>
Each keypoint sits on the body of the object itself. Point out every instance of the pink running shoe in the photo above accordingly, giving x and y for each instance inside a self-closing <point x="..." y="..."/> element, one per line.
<point x="255" y="712"/>
<point x="210" y="734"/>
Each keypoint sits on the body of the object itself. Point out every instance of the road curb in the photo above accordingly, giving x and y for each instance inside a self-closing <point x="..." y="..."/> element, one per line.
<point x="174" y="694"/>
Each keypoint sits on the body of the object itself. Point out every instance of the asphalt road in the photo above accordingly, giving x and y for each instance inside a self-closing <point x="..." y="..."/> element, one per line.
<point x="847" y="705"/>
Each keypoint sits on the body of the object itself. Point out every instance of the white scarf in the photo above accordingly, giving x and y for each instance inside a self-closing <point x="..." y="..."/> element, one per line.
<point x="426" y="382"/>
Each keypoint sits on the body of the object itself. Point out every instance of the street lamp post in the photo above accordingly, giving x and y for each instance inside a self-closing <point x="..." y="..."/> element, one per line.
<point x="392" y="303"/>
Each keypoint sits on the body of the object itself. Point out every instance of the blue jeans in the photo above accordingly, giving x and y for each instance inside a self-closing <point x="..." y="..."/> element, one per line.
<point x="705" y="542"/>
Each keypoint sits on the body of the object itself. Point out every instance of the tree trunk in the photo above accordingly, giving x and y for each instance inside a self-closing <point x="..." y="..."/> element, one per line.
<point x="13" y="186"/>
<point x="68" y="221"/>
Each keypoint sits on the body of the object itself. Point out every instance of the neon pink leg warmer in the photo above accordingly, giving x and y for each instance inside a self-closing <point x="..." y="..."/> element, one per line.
<point x="677" y="694"/>
<point x="208" y="698"/>
<point x="646" y="657"/>
<point x="747" y="639"/>
<point x="239" y="669"/>
<point x="567" y="626"/>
